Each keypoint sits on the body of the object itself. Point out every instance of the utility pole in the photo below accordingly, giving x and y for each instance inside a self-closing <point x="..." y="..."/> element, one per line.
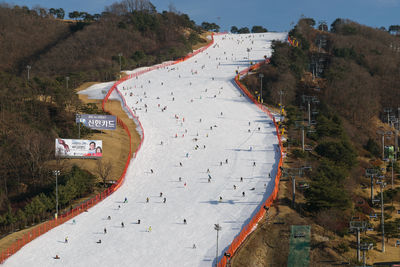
<point x="358" y="226"/>
<point x="56" y="173"/>
<point x="28" y="67"/>
<point x="382" y="184"/>
<point x="261" y="77"/>
<point x="218" y="228"/>
<point x="67" y="79"/>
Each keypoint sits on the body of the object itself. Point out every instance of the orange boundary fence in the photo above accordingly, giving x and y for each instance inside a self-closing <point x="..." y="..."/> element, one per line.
<point x="83" y="207"/>
<point x="249" y="228"/>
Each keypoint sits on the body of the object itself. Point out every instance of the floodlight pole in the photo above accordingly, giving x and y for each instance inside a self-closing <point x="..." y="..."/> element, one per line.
<point x="261" y="77"/>
<point x="218" y="228"/>
<point x="56" y="173"/>
<point x="67" y="79"/>
<point x="28" y="67"/>
<point x="79" y="125"/>
<point x="248" y="56"/>
<point x="280" y="100"/>
<point x="120" y="55"/>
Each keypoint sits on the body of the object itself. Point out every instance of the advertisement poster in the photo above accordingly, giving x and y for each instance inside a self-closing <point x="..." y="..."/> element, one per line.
<point x="97" y="122"/>
<point x="78" y="148"/>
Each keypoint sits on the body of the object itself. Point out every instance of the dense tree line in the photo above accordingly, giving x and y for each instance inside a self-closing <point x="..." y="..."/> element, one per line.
<point x="72" y="185"/>
<point x="356" y="78"/>
<point x="34" y="111"/>
<point x="254" y="29"/>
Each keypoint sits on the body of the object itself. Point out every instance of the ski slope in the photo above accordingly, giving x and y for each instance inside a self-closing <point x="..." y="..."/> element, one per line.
<point x="192" y="114"/>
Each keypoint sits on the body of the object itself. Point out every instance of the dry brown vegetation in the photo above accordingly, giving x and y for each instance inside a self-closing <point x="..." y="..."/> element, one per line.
<point x="34" y="111"/>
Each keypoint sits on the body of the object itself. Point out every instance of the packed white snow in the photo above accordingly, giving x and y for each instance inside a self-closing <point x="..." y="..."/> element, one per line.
<point x="203" y="139"/>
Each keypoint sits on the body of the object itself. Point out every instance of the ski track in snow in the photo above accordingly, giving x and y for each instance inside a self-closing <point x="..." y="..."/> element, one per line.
<point x="199" y="88"/>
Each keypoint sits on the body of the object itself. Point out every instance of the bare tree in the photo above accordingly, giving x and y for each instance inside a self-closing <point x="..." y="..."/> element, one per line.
<point x="103" y="170"/>
<point x="172" y="9"/>
<point x="38" y="151"/>
<point x="137" y="5"/>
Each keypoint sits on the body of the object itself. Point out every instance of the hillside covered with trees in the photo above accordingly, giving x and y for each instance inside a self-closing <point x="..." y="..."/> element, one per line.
<point x="42" y="59"/>
<point x="341" y="87"/>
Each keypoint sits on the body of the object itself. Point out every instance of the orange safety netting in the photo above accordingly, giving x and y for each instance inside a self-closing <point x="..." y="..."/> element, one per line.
<point x="83" y="207"/>
<point x="247" y="229"/>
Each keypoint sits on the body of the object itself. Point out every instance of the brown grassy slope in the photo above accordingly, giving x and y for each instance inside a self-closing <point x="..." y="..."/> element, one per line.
<point x="115" y="150"/>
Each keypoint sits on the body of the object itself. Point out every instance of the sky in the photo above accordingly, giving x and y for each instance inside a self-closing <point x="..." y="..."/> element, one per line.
<point x="275" y="15"/>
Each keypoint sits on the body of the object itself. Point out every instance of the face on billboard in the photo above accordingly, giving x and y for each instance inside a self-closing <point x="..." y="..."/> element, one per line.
<point x="92" y="146"/>
<point x="78" y="148"/>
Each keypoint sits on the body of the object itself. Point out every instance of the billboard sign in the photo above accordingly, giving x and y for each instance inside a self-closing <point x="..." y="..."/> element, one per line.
<point x="97" y="122"/>
<point x="78" y="148"/>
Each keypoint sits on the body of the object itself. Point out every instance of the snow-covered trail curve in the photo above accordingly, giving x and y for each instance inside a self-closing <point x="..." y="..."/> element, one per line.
<point x="202" y="120"/>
